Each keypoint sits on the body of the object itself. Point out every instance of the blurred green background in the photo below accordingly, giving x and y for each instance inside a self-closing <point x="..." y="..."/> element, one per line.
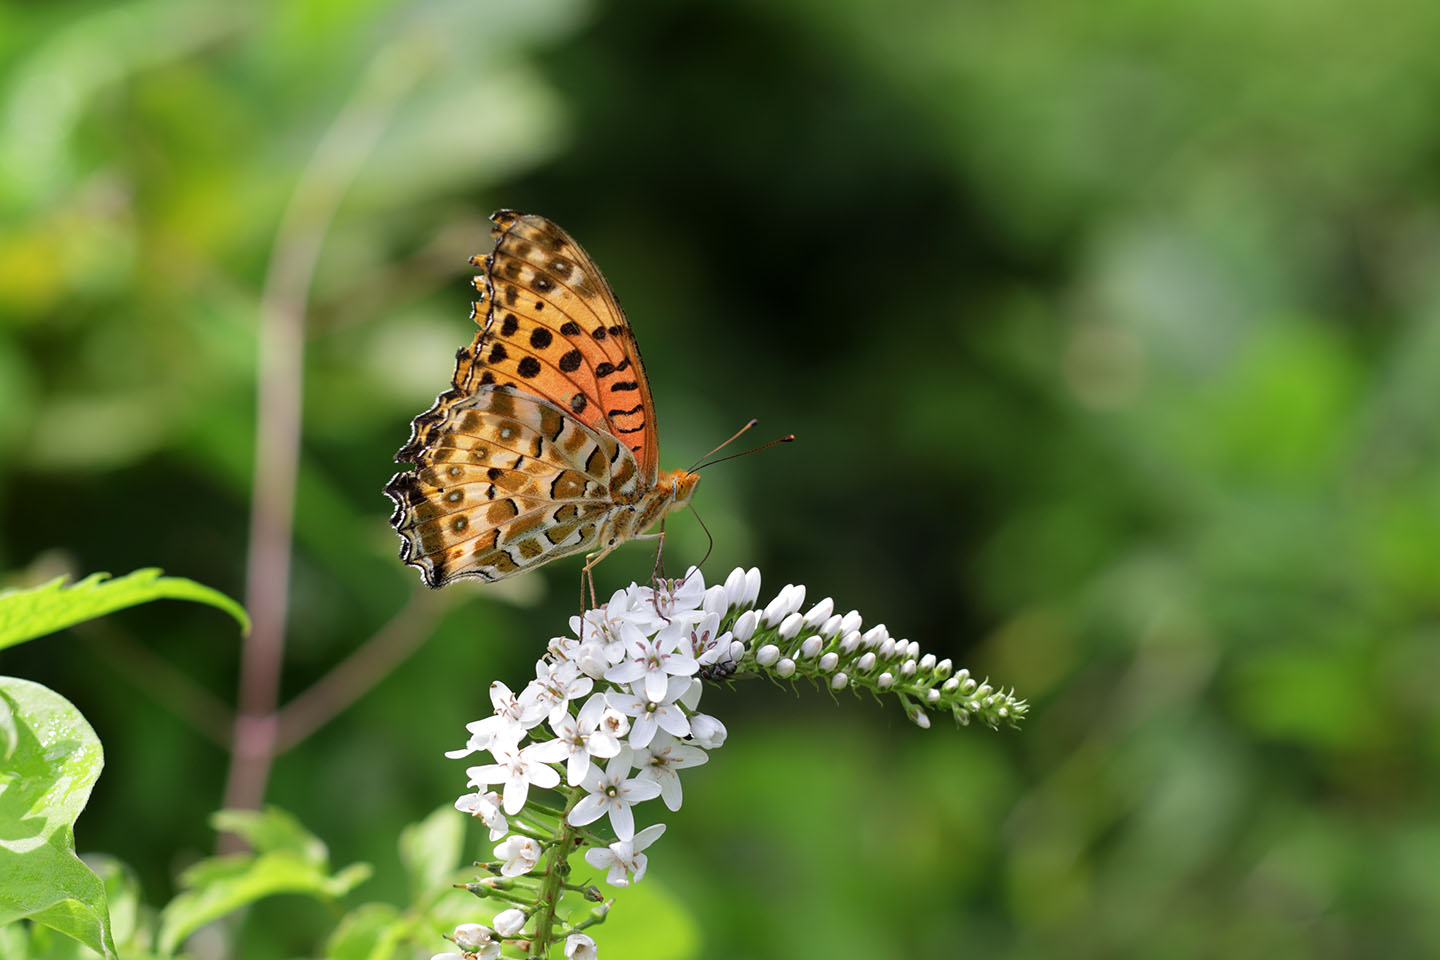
<point x="1110" y="332"/>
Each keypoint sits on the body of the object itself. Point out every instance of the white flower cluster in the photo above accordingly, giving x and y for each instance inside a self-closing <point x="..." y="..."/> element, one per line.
<point x="612" y="716"/>
<point x="613" y="712"/>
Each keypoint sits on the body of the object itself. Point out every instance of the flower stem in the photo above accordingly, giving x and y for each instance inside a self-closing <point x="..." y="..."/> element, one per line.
<point x="553" y="883"/>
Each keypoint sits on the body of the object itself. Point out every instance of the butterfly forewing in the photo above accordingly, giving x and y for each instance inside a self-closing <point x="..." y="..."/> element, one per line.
<point x="551" y="326"/>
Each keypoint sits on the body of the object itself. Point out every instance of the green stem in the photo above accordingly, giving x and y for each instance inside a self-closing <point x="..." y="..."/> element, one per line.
<point x="553" y="880"/>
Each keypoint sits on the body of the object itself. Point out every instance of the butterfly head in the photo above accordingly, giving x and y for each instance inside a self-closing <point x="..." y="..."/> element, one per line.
<point x="681" y="486"/>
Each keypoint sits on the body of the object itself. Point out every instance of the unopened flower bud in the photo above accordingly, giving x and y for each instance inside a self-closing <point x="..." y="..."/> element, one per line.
<point x="884" y="680"/>
<point x="737" y="650"/>
<point x="851" y="642"/>
<point x="715" y="600"/>
<point x="473" y="937"/>
<point x="943" y="668"/>
<point x="907" y="669"/>
<point x="921" y="718"/>
<point x="735" y="588"/>
<point x="851" y="621"/>
<point x="707" y="732"/>
<point x="752" y="587"/>
<point x="932" y="695"/>
<point x="810" y="647"/>
<point x="790" y="626"/>
<point x="875" y="636"/>
<point x="829" y="662"/>
<point x="951" y="685"/>
<point x="767" y="655"/>
<point x="839" y="682"/>
<point x="831" y="626"/>
<point x="866" y="663"/>
<point x="927" y="663"/>
<point x="820" y="612"/>
<point x="785" y="668"/>
<point x="509" y="922"/>
<point x="887" y="649"/>
<point x="745" y="625"/>
<point x="780" y="607"/>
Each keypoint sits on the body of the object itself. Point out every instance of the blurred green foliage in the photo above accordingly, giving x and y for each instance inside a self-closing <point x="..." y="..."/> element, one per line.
<point x="1110" y="332"/>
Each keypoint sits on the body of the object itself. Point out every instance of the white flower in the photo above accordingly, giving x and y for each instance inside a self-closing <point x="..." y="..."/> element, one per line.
<point x="661" y="759"/>
<point x="634" y="606"/>
<point x="648" y="715"/>
<point x="513" y="716"/>
<point x="478" y="940"/>
<point x="676" y="598"/>
<point x="580" y="947"/>
<point x="518" y="769"/>
<point x="509" y="922"/>
<point x="612" y="793"/>
<point x="623" y="860"/>
<point x="612" y="721"/>
<point x="520" y="854"/>
<point x="557" y="684"/>
<point x="707" y="732"/>
<point x="582" y="738"/>
<point x="654" y="660"/>
<point x="704" y="641"/>
<point x="486" y="806"/>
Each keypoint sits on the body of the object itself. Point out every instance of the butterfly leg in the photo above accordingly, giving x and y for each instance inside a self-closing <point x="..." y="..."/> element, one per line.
<point x="657" y="575"/>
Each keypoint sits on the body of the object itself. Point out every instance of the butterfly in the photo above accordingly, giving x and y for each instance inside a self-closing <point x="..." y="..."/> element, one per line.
<point x="544" y="446"/>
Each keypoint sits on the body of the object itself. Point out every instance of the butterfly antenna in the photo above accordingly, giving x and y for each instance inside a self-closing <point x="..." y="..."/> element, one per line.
<point x="785" y="439"/>
<point x="727" y="443"/>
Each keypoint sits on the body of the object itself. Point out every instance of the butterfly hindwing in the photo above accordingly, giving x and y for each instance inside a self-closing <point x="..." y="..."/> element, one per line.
<point x="507" y="481"/>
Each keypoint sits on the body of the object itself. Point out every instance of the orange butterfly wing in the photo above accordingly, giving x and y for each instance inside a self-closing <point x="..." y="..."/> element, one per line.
<point x="552" y="327"/>
<point x="546" y="427"/>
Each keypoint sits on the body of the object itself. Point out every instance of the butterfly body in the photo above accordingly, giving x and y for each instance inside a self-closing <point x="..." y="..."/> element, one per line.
<point x="544" y="446"/>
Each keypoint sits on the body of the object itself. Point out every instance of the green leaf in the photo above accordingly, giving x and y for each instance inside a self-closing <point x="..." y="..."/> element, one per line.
<point x="272" y="830"/>
<point x="122" y="895"/>
<point x="431" y="850"/>
<point x="221" y="885"/>
<point x="51" y="760"/>
<point x="27" y="614"/>
<point x="375" y="931"/>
